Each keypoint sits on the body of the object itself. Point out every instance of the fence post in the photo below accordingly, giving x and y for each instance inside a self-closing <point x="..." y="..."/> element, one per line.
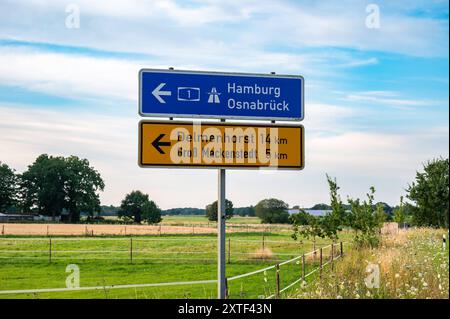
<point x="159" y="229"/>
<point x="3" y="229"/>
<point x="263" y="242"/>
<point x="50" y="250"/>
<point x="227" y="295"/>
<point x="314" y="249"/>
<point x="131" y="249"/>
<point x="303" y="267"/>
<point x="332" y="256"/>
<point x="47" y="230"/>
<point x="321" y="262"/>
<point x="229" y="250"/>
<point x="278" y="281"/>
<point x="342" y="250"/>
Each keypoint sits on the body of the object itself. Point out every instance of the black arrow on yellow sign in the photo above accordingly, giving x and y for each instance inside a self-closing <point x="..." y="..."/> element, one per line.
<point x="157" y="143"/>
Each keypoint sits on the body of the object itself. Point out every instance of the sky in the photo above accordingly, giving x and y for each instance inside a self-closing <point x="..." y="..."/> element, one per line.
<point x="376" y="88"/>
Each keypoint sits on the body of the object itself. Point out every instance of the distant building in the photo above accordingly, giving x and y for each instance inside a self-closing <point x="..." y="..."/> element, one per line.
<point x="314" y="212"/>
<point x="7" y="218"/>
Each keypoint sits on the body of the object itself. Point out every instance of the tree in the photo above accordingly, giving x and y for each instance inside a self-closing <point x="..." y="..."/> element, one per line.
<point x="321" y="206"/>
<point x="306" y="226"/>
<point x="8" y="187"/>
<point x="52" y="184"/>
<point x="301" y="218"/>
<point x="399" y="212"/>
<point x="151" y="213"/>
<point x="430" y="194"/>
<point x="272" y="211"/>
<point x="138" y="207"/>
<point x="212" y="209"/>
<point x="43" y="186"/>
<point x="332" y="222"/>
<point x="366" y="220"/>
<point x="81" y="187"/>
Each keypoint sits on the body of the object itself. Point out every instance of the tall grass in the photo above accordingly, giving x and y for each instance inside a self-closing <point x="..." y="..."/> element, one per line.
<point x="412" y="264"/>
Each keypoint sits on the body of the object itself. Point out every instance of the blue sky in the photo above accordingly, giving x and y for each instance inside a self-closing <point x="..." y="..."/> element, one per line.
<point x="377" y="99"/>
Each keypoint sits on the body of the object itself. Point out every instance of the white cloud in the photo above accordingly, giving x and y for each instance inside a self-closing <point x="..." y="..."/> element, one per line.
<point x="80" y="76"/>
<point x="244" y="27"/>
<point x="69" y="75"/>
<point x="389" y="98"/>
<point x="358" y="159"/>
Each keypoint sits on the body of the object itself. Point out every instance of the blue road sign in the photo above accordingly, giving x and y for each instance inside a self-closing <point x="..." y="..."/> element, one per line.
<point x="170" y="93"/>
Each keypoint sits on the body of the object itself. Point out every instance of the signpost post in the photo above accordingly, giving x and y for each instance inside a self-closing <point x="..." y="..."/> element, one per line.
<point x="195" y="94"/>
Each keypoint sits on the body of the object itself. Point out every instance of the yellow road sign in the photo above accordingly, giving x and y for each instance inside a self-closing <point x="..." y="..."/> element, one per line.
<point x="220" y="145"/>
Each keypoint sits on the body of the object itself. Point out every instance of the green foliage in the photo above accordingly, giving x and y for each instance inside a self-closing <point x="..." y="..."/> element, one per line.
<point x="328" y="226"/>
<point x="52" y="184"/>
<point x="430" y="194"/>
<point x="302" y="218"/>
<point x="109" y="210"/>
<point x="245" y="211"/>
<point x="137" y="206"/>
<point x="43" y="186"/>
<point x="321" y="206"/>
<point x="366" y="220"/>
<point x="272" y="211"/>
<point x="212" y="209"/>
<point x="307" y="226"/>
<point x="332" y="222"/>
<point x="8" y="187"/>
<point x="151" y="213"/>
<point x="399" y="212"/>
<point x="82" y="184"/>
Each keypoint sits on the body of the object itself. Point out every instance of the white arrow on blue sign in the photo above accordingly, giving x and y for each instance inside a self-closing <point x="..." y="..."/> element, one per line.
<point x="196" y="94"/>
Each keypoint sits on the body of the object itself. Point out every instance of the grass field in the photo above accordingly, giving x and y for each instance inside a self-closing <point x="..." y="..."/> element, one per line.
<point x="103" y="261"/>
<point x="199" y="219"/>
<point x="412" y="265"/>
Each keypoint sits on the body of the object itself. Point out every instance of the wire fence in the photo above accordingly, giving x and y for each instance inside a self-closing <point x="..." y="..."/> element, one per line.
<point x="91" y="230"/>
<point x="296" y="270"/>
<point x="140" y="248"/>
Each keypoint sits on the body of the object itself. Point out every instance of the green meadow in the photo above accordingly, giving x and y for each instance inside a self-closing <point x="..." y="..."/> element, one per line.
<point x="28" y="263"/>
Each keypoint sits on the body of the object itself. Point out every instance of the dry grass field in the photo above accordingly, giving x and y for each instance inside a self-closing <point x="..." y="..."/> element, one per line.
<point x="52" y="229"/>
<point x="98" y="230"/>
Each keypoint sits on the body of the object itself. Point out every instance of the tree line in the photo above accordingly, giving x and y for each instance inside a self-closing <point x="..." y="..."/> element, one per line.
<point x="52" y="185"/>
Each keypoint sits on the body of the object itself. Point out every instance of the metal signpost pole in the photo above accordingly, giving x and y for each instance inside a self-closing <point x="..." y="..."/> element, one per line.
<point x="221" y="285"/>
<point x="221" y="215"/>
